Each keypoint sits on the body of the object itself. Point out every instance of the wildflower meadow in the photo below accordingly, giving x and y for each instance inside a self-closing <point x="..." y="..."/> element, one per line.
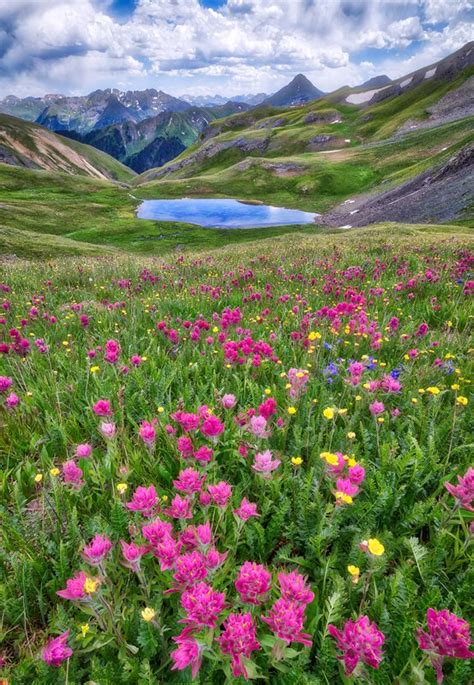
<point x="251" y="464"/>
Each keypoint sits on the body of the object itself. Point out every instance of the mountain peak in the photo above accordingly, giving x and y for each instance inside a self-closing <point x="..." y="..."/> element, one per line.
<point x="299" y="91"/>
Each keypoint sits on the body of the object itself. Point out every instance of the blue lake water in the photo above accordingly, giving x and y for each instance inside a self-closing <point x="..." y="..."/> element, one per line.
<point x="221" y="213"/>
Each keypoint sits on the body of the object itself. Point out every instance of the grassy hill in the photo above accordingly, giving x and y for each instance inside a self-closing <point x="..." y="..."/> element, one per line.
<point x="29" y="145"/>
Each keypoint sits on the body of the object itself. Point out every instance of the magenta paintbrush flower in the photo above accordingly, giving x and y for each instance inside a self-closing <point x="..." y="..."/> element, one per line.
<point x="5" y="383"/>
<point x="144" y="500"/>
<point x="72" y="474"/>
<point x="286" y="620"/>
<point x="189" y="481"/>
<point x="220" y="493"/>
<point x="102" y="408"/>
<point x="132" y="554"/>
<point x="57" y="650"/>
<point x="238" y="639"/>
<point x="202" y="605"/>
<point x="293" y="588"/>
<point x="189" y="569"/>
<point x="360" y="641"/>
<point x="447" y="636"/>
<point x="188" y="653"/>
<point x="264" y="463"/>
<point x="83" y="451"/>
<point x="180" y="508"/>
<point x="253" y="583"/>
<point x="246" y="510"/>
<point x="157" y="531"/>
<point x="464" y="490"/>
<point x="96" y="551"/>
<point x="147" y="433"/>
<point x="75" y="589"/>
<point x="212" y="427"/>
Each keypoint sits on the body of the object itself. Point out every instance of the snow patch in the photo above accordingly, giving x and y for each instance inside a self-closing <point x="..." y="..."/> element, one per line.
<point x="359" y="98"/>
<point x="430" y="72"/>
<point x="406" y="82"/>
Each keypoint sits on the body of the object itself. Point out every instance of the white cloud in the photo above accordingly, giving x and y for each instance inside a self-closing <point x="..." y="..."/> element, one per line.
<point x="76" y="45"/>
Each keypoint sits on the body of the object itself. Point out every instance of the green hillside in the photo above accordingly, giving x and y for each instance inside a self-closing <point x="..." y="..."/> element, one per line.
<point x="29" y="145"/>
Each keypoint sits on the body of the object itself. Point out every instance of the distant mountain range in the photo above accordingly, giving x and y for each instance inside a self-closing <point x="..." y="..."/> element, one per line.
<point x="156" y="140"/>
<point x="213" y="100"/>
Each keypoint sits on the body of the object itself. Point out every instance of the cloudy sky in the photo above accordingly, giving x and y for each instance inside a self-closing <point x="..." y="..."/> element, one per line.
<point x="220" y="46"/>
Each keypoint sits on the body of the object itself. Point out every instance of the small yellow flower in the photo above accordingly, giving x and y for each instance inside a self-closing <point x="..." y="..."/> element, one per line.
<point x="414" y="400"/>
<point x="54" y="472"/>
<point x="342" y="411"/>
<point x="351" y="435"/>
<point x="148" y="614"/>
<point x="330" y="458"/>
<point x="296" y="461"/>
<point x="355" y="573"/>
<point x="375" y="547"/>
<point x="380" y="419"/>
<point x="85" y="629"/>
<point x="342" y="497"/>
<point x="455" y="386"/>
<point x="300" y="374"/>
<point x="122" y="487"/>
<point x="165" y="498"/>
<point x="267" y="391"/>
<point x="292" y="410"/>
<point x="90" y="586"/>
<point x="351" y="462"/>
<point x="38" y="478"/>
<point x="462" y="400"/>
<point x="65" y="343"/>
<point x="314" y="335"/>
<point x="433" y="390"/>
<point x="358" y="398"/>
<point x="328" y="413"/>
<point x="161" y="410"/>
<point x="95" y="369"/>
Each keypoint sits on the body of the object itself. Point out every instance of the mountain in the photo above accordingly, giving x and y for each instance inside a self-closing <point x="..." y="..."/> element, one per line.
<point x="299" y="91"/>
<point x="376" y="82"/>
<point x="156" y="140"/>
<point x="99" y="108"/>
<point x="28" y="145"/>
<point x="213" y="100"/>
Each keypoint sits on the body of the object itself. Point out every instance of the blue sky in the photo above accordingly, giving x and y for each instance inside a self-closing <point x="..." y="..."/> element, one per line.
<point x="220" y="46"/>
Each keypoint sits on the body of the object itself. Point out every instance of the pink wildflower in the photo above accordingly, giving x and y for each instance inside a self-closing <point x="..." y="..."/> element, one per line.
<point x="83" y="451"/>
<point x="359" y="640"/>
<point x="220" y="493"/>
<point x="203" y="454"/>
<point x="464" y="490"/>
<point x="180" y="508"/>
<point x="376" y="408"/>
<point x="185" y="446"/>
<point x="112" y="351"/>
<point x="189" y="569"/>
<point x="72" y="473"/>
<point x="167" y="552"/>
<point x="253" y="583"/>
<point x="96" y="551"/>
<point x="293" y="588"/>
<point x="132" y="554"/>
<point x="286" y="621"/>
<point x="74" y="589"/>
<point x="157" y="531"/>
<point x="246" y="510"/>
<point x="264" y="464"/>
<point x="12" y="400"/>
<point x="356" y="474"/>
<point x="447" y="636"/>
<point x="57" y="650"/>
<point x="212" y="427"/>
<point x="188" y="653"/>
<point x="102" y="408"/>
<point x="108" y="429"/>
<point x="144" y="500"/>
<point x="258" y="427"/>
<point x="238" y="639"/>
<point x="189" y="481"/>
<point x="228" y="401"/>
<point x="147" y="433"/>
<point x="5" y="383"/>
<point x="202" y="605"/>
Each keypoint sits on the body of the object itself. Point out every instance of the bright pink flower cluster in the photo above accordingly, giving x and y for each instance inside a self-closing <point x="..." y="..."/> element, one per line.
<point x="57" y="650"/>
<point x="238" y="639"/>
<point x="464" y="490"/>
<point x="359" y="641"/>
<point x="447" y="636"/>
<point x="253" y="583"/>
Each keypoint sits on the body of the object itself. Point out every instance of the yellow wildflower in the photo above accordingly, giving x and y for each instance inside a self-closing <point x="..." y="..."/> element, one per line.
<point x="90" y="586"/>
<point x="328" y="413"/>
<point x="462" y="400"/>
<point x="148" y="614"/>
<point x="292" y="410"/>
<point x="296" y="461"/>
<point x="375" y="547"/>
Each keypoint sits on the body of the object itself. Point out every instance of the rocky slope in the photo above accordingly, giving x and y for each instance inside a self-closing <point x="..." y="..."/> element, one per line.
<point x="443" y="193"/>
<point x="29" y="145"/>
